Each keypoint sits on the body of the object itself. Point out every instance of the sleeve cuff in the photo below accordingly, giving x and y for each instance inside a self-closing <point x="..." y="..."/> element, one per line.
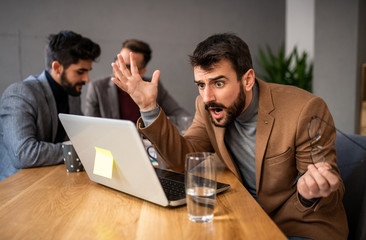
<point x="150" y="116"/>
<point x="307" y="202"/>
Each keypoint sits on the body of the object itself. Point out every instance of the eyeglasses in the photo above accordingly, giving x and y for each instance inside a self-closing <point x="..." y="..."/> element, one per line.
<point x="315" y="133"/>
<point x="316" y="126"/>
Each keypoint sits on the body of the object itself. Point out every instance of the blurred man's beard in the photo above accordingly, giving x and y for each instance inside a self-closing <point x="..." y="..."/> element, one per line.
<point x="232" y="112"/>
<point x="69" y="88"/>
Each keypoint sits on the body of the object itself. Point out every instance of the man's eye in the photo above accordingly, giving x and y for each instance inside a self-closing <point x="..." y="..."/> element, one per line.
<point x="219" y="84"/>
<point x="200" y="85"/>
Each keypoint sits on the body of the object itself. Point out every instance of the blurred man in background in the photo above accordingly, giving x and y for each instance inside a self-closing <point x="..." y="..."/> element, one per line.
<point x="105" y="99"/>
<point x="31" y="134"/>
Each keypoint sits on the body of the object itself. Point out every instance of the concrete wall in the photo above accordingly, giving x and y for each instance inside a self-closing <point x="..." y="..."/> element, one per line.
<point x="172" y="28"/>
<point x="300" y="26"/>
<point x="340" y="50"/>
<point x="334" y="35"/>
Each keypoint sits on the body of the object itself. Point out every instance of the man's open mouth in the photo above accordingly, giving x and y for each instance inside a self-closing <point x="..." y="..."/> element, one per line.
<point x="216" y="112"/>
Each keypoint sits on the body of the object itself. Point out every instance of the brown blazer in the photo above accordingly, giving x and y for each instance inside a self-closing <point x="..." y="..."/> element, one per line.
<point x="282" y="153"/>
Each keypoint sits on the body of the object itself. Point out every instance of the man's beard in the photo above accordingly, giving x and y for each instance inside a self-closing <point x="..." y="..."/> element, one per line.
<point x="69" y="88"/>
<point x="232" y="112"/>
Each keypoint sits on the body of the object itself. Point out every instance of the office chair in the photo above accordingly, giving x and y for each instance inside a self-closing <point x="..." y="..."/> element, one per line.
<point x="352" y="164"/>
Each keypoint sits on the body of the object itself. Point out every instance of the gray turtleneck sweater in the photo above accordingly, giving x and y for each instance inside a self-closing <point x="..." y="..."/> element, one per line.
<point x="240" y="141"/>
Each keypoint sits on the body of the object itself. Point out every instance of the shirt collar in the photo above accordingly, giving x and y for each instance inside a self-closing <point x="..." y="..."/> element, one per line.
<point x="58" y="91"/>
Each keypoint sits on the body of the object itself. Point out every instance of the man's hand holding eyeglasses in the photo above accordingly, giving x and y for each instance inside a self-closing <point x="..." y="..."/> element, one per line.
<point x="318" y="181"/>
<point x="143" y="93"/>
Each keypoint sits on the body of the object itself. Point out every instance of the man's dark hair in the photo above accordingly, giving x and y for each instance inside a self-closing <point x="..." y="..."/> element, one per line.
<point x="68" y="48"/>
<point x="138" y="46"/>
<point x="222" y="46"/>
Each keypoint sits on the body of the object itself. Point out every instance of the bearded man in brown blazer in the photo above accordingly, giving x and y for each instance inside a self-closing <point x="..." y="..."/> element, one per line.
<point x="258" y="129"/>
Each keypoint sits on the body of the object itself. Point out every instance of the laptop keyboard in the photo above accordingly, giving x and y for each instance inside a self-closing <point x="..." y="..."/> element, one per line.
<point x="173" y="189"/>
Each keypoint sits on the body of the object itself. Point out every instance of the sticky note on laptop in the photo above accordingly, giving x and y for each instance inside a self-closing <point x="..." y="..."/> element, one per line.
<point x="103" y="164"/>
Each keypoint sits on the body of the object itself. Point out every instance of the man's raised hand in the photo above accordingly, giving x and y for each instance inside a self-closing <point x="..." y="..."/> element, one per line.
<point x="143" y="93"/>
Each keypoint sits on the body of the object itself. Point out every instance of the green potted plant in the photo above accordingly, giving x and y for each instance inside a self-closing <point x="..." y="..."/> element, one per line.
<point x="295" y="69"/>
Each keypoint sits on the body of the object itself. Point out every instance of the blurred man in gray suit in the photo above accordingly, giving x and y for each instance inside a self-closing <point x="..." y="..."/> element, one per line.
<point x="31" y="134"/>
<point x="105" y="99"/>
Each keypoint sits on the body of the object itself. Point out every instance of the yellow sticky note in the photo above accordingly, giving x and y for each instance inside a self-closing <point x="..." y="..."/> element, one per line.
<point x="103" y="164"/>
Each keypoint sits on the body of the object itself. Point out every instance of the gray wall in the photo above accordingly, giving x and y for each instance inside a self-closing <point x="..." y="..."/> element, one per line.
<point x="173" y="28"/>
<point x="300" y="25"/>
<point x="340" y="50"/>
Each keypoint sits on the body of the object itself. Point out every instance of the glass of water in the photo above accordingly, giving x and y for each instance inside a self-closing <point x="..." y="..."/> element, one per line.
<point x="200" y="186"/>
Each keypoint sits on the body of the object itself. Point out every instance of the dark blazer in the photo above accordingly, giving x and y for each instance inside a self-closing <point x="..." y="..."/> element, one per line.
<point x="282" y="152"/>
<point x="102" y="100"/>
<point x="28" y="125"/>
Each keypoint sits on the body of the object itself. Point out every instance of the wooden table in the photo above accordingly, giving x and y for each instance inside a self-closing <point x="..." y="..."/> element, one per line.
<point x="49" y="203"/>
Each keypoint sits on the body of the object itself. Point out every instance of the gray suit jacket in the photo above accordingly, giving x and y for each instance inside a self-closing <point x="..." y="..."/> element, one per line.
<point x="28" y="125"/>
<point x="102" y="100"/>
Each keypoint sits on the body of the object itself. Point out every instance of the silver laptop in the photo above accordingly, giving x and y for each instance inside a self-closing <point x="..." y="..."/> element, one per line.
<point x="132" y="171"/>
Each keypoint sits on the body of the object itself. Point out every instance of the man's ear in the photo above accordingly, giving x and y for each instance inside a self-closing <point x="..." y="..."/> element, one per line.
<point x="57" y="68"/>
<point x="248" y="80"/>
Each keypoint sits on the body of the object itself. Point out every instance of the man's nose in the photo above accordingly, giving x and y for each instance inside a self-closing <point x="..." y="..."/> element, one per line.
<point x="208" y="95"/>
<point x="85" y="77"/>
